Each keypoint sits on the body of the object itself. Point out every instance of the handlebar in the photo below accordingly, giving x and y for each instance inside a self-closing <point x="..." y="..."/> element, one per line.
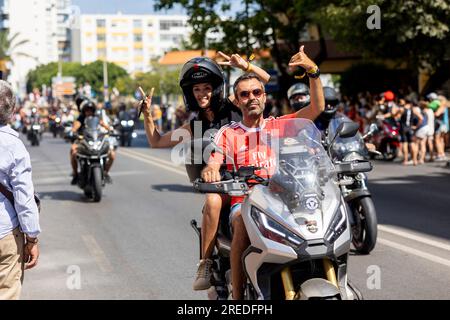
<point x="232" y="187"/>
<point x="353" y="167"/>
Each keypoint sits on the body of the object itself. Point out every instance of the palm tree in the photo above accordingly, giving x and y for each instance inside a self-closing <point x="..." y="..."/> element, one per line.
<point x="8" y="49"/>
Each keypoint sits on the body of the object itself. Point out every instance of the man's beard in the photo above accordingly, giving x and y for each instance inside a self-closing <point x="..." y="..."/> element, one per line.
<point x="255" y="113"/>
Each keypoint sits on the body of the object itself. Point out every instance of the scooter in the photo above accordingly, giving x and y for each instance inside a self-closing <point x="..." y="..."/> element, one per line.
<point x="387" y="139"/>
<point x="295" y="215"/>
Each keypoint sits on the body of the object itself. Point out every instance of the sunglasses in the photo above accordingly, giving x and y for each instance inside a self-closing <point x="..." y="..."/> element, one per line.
<point x="256" y="93"/>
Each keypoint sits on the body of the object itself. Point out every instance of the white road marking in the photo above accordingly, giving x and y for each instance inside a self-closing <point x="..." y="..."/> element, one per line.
<point x="414" y="237"/>
<point x="392" y="181"/>
<point x="97" y="253"/>
<point x="149" y="157"/>
<point x="156" y="162"/>
<point x="415" y="252"/>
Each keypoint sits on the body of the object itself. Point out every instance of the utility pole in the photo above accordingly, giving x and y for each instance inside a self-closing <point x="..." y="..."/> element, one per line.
<point x="105" y="81"/>
<point x="59" y="67"/>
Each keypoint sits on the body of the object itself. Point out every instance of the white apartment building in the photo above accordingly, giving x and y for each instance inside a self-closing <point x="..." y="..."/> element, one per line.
<point x="64" y="13"/>
<point x="4" y="14"/>
<point x="44" y="24"/>
<point x="130" y="41"/>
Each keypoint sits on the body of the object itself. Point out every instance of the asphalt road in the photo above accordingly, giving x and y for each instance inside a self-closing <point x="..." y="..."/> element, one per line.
<point x="137" y="242"/>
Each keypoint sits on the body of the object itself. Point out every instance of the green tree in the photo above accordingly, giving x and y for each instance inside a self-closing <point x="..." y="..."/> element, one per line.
<point x="260" y="24"/>
<point x="43" y="74"/>
<point x="412" y="31"/>
<point x="92" y="73"/>
<point x="9" y="46"/>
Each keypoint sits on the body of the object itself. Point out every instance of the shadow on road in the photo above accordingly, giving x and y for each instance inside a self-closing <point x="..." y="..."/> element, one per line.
<point x="173" y="188"/>
<point x="416" y="202"/>
<point x="63" y="196"/>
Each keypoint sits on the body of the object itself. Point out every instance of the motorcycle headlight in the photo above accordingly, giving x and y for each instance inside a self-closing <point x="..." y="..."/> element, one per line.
<point x="337" y="226"/>
<point x="36" y="127"/>
<point x="352" y="156"/>
<point x="95" y="145"/>
<point x="134" y="134"/>
<point x="130" y="123"/>
<point x="123" y="123"/>
<point x="274" y="231"/>
<point x="57" y="120"/>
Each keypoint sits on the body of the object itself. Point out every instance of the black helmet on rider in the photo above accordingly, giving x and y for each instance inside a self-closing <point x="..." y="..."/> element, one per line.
<point x="298" y="96"/>
<point x="87" y="105"/>
<point x="331" y="103"/>
<point x="202" y="70"/>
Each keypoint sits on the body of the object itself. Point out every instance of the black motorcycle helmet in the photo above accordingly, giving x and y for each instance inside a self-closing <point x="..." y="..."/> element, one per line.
<point x="87" y="105"/>
<point x="331" y="104"/>
<point x="79" y="100"/>
<point x="298" y="89"/>
<point x="202" y="70"/>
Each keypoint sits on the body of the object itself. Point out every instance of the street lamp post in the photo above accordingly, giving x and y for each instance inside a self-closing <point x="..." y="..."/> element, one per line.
<point x="105" y="81"/>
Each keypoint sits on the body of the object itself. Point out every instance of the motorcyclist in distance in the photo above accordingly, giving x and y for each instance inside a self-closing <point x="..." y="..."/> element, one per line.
<point x="298" y="96"/>
<point x="87" y="109"/>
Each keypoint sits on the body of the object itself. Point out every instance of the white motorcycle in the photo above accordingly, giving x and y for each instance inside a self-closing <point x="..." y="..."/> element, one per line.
<point x="295" y="216"/>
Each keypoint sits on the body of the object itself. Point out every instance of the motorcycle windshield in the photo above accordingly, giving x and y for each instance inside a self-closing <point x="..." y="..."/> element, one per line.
<point x="344" y="146"/>
<point x="302" y="164"/>
<point x="91" y="128"/>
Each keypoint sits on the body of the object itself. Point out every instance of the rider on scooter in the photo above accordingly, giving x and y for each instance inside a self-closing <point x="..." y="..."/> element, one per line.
<point x="251" y="98"/>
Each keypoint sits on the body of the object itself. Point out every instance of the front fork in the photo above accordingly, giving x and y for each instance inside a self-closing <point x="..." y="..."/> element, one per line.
<point x="288" y="284"/>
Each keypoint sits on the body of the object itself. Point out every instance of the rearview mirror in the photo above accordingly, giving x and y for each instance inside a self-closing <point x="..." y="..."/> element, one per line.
<point x="347" y="129"/>
<point x="373" y="128"/>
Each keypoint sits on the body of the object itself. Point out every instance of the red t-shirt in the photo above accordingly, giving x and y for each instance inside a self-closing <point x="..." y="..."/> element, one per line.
<point x="249" y="146"/>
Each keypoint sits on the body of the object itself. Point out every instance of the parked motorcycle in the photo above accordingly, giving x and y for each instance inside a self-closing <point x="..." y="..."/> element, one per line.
<point x="387" y="139"/>
<point x="295" y="216"/>
<point x="92" y="155"/>
<point x="355" y="190"/>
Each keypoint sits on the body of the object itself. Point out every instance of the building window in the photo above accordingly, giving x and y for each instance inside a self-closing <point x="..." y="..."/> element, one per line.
<point x="101" y="53"/>
<point x="137" y="23"/>
<point x="177" y="38"/>
<point x="167" y="24"/>
<point x="101" y="23"/>
<point x="137" y="37"/>
<point x="138" y="51"/>
<point x="149" y="23"/>
<point x="101" y="37"/>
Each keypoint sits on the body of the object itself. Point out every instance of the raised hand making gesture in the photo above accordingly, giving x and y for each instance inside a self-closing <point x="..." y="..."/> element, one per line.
<point x="236" y="61"/>
<point x="300" y="59"/>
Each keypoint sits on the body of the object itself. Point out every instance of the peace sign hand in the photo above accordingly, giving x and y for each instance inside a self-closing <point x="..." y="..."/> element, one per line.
<point x="234" y="61"/>
<point x="300" y="59"/>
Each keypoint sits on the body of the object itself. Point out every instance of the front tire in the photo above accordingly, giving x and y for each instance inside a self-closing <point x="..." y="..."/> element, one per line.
<point x="97" y="183"/>
<point x="365" y="229"/>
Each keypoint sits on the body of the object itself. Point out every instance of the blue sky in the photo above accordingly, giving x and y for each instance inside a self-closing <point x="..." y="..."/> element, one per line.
<point x="125" y="6"/>
<point x="132" y="6"/>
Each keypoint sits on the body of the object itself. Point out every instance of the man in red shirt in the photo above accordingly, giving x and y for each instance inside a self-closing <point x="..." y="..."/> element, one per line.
<point x="238" y="141"/>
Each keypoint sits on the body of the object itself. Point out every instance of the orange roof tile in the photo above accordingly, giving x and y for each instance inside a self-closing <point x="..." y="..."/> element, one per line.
<point x="181" y="57"/>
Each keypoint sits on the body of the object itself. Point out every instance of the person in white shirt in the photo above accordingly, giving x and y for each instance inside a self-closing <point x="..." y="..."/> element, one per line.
<point x="19" y="215"/>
